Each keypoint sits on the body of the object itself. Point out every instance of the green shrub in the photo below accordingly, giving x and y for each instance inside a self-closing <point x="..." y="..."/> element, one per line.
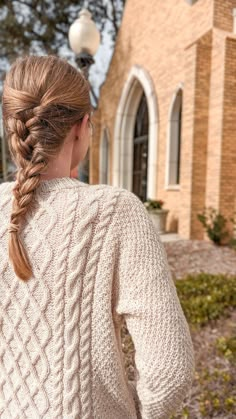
<point x="206" y="297"/>
<point x="227" y="346"/>
<point x="214" y="224"/>
<point x="232" y="243"/>
<point x="230" y="403"/>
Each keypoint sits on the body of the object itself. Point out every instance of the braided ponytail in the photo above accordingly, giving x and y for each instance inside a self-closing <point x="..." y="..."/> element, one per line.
<point x="24" y="147"/>
<point x="43" y="98"/>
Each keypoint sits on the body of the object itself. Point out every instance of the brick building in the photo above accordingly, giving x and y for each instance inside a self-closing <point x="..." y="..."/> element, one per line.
<point x="166" y="122"/>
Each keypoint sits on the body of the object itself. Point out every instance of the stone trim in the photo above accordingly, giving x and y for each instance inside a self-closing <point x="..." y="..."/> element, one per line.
<point x="138" y="81"/>
<point x="104" y="171"/>
<point x="169" y="186"/>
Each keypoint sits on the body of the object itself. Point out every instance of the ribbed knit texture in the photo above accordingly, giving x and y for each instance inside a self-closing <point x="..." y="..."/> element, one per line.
<point x="96" y="259"/>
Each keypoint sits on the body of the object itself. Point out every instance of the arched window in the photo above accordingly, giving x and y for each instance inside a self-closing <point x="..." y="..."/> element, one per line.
<point x="104" y="159"/>
<point x="140" y="150"/>
<point x="175" y="140"/>
<point x="137" y="83"/>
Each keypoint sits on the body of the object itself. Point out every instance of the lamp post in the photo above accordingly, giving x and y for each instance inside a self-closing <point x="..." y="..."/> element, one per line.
<point x="84" y="40"/>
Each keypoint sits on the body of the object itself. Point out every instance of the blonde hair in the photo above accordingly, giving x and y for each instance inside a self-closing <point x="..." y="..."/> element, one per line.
<point x="43" y="97"/>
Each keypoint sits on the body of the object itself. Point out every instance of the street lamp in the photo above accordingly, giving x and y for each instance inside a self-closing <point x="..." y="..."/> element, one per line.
<point x="84" y="40"/>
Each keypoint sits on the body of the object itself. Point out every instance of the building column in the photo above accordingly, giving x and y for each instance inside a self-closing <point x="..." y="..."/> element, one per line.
<point x="227" y="183"/>
<point x="214" y="149"/>
<point x="195" y="136"/>
<point x="200" y="137"/>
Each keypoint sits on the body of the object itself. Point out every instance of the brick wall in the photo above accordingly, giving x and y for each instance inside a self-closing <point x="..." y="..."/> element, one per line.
<point x="223" y="18"/>
<point x="176" y="44"/>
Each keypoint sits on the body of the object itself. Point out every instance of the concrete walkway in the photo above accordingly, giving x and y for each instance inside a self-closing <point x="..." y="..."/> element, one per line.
<point x="170" y="237"/>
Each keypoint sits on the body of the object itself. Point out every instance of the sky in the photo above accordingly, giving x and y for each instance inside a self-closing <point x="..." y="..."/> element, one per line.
<point x="102" y="59"/>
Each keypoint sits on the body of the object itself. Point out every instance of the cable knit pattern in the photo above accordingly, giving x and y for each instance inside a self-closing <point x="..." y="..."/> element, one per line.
<point x="73" y="313"/>
<point x="96" y="259"/>
<point x="59" y="298"/>
<point x="88" y="284"/>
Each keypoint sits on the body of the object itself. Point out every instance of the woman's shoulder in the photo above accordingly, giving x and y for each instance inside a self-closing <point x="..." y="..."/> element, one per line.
<point x="111" y="190"/>
<point x="125" y="198"/>
<point x="128" y="209"/>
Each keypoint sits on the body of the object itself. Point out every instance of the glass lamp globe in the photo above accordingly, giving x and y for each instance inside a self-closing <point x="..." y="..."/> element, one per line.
<point x="84" y="35"/>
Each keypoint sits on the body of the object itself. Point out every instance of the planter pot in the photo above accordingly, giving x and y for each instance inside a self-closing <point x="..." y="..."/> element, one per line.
<point x="158" y="217"/>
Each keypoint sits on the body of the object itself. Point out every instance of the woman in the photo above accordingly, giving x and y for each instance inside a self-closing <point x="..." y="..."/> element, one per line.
<point x="76" y="259"/>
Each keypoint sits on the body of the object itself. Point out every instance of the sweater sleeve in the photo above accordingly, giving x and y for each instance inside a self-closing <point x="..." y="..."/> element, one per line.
<point x="146" y="297"/>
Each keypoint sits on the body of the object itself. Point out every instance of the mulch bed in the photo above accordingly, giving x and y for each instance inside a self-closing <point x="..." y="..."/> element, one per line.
<point x="196" y="256"/>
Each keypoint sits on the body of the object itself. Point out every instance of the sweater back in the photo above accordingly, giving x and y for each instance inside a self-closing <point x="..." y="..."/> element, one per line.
<point x="96" y="259"/>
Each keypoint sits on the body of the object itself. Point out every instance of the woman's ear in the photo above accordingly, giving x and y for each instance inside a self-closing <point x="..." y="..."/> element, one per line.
<point x="80" y="129"/>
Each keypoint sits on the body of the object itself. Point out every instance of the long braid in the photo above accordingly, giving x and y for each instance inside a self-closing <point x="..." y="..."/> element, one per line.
<point x="32" y="161"/>
<point x="43" y="98"/>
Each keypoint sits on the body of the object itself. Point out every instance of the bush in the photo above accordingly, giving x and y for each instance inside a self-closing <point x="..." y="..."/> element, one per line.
<point x="206" y="297"/>
<point x="227" y="347"/>
<point x="232" y="243"/>
<point x="214" y="224"/>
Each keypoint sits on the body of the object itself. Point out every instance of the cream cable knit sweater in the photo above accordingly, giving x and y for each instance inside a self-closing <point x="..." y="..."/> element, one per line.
<point x="96" y="257"/>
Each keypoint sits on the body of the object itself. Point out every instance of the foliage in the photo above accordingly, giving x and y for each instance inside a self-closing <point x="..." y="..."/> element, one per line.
<point x="41" y="26"/>
<point x="232" y="243"/>
<point x="214" y="224"/>
<point x="227" y="346"/>
<point x="154" y="204"/>
<point x="44" y="24"/>
<point x="206" y="297"/>
<point x="216" y="395"/>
